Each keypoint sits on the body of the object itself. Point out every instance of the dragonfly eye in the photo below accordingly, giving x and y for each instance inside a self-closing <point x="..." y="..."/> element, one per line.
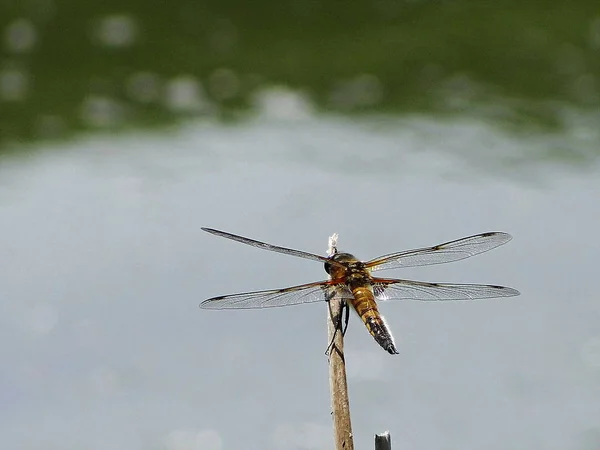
<point x="327" y="267"/>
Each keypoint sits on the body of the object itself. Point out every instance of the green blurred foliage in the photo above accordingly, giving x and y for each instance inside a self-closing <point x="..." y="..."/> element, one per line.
<point x="73" y="66"/>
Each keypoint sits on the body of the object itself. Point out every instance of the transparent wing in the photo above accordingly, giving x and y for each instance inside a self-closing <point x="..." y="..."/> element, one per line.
<point x="388" y="289"/>
<point x="305" y="293"/>
<point x="272" y="248"/>
<point x="442" y="253"/>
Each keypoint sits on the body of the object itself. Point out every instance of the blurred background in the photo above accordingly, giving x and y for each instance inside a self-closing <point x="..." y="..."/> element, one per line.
<point x="126" y="126"/>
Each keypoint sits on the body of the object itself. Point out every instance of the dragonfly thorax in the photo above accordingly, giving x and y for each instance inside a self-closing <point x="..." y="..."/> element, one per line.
<point x="350" y="263"/>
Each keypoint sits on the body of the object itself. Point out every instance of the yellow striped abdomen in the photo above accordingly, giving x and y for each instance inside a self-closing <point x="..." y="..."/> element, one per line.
<point x="366" y="307"/>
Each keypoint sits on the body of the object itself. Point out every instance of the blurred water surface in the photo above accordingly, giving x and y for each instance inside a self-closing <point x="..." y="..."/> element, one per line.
<point x="104" y="263"/>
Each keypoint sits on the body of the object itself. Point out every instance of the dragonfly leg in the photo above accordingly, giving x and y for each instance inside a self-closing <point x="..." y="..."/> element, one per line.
<point x="346" y="317"/>
<point x="338" y="324"/>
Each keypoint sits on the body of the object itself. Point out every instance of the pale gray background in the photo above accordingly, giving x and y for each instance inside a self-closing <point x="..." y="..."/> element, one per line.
<point x="103" y="346"/>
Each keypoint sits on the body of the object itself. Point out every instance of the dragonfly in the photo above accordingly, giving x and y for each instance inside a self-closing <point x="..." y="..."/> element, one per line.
<point x="351" y="280"/>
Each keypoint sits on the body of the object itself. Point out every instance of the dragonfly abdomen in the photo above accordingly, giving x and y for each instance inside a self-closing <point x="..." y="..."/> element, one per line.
<point x="366" y="307"/>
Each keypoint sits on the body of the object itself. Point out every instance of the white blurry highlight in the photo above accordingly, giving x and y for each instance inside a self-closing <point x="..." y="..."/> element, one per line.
<point x="101" y="111"/>
<point x="117" y="31"/>
<point x="281" y="103"/>
<point x="185" y="94"/>
<point x="20" y="36"/>
<point x="14" y="85"/>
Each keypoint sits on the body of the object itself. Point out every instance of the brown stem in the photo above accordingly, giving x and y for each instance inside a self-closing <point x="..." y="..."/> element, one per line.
<point x="340" y="407"/>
